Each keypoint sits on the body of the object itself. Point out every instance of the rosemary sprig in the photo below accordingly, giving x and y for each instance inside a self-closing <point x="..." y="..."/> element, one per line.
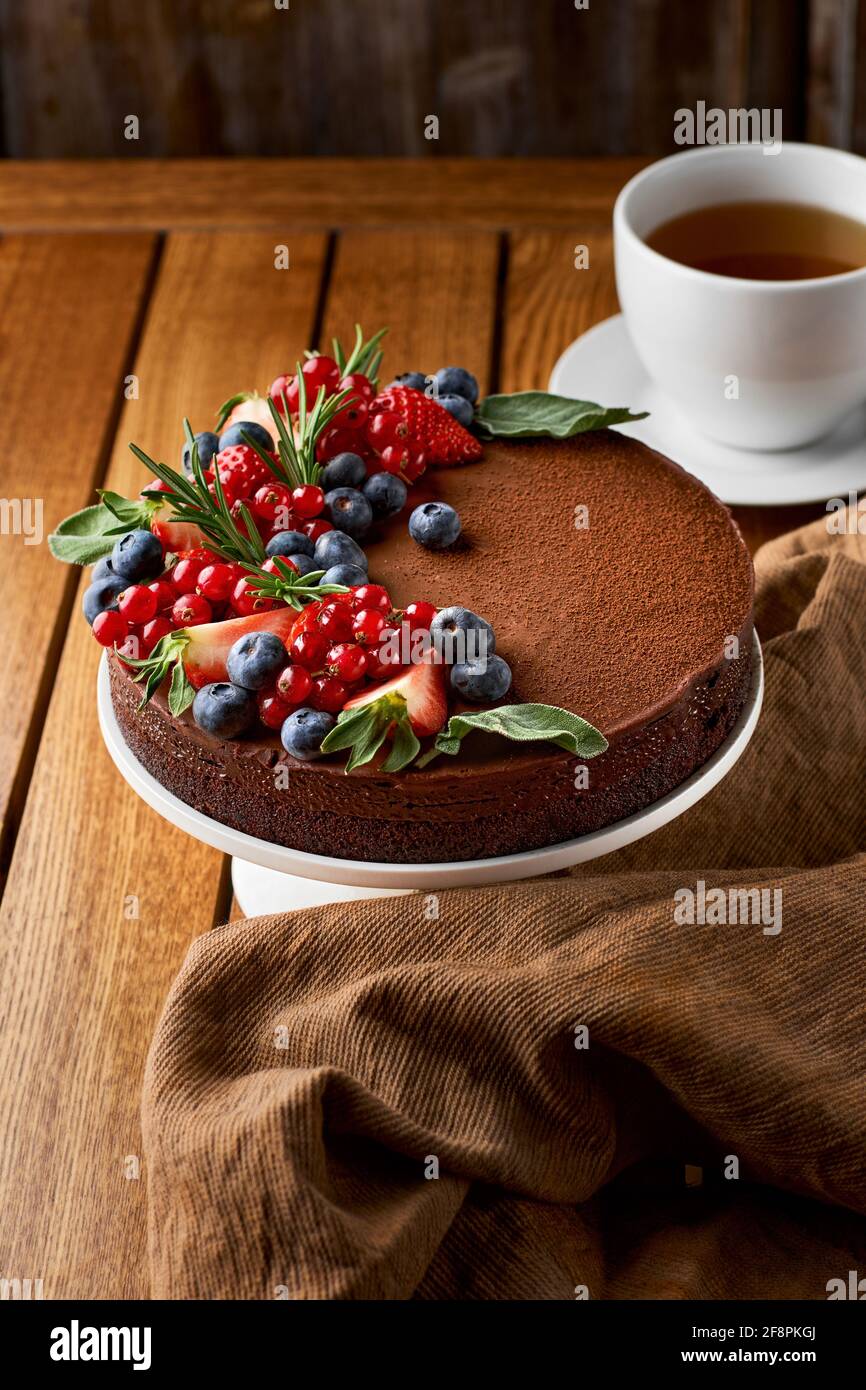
<point x="194" y="504"/>
<point x="288" y="586"/>
<point x="364" y="357"/>
<point x="296" y="446"/>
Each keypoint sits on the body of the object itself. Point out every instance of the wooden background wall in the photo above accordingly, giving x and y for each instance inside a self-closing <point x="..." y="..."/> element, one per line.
<point x="358" y="77"/>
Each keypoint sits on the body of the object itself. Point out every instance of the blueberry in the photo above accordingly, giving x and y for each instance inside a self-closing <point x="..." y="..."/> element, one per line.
<point x="461" y="635"/>
<point x="343" y="470"/>
<point x="102" y="569"/>
<point x="456" y="381"/>
<point x="350" y="575"/>
<point x="386" y="494"/>
<point x="434" y="525"/>
<point x="482" y="680"/>
<point x="349" y="510"/>
<point x="255" y="658"/>
<point x="458" y="406"/>
<point x="303" y="732"/>
<point x="290" y="543"/>
<point x="417" y="380"/>
<point x="257" y="432"/>
<point x="304" y="564"/>
<point x="224" y="710"/>
<point x="137" y="555"/>
<point x="335" y="548"/>
<point x="208" y="444"/>
<point x="102" y="594"/>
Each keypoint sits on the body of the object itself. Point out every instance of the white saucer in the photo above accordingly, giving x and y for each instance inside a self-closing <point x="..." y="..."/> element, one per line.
<point x="271" y="878"/>
<point x="603" y="366"/>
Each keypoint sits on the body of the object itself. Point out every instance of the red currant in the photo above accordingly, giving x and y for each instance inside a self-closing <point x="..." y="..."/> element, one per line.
<point x="191" y="610"/>
<point x="395" y="459"/>
<point x="137" y="604"/>
<point x="246" y="599"/>
<point x="307" y="617"/>
<point x="294" y="684"/>
<point x="320" y="371"/>
<point x="317" y="528"/>
<point x="360" y="384"/>
<point x="416" y="465"/>
<point x="353" y="416"/>
<point x="309" y="650"/>
<point x="367" y="626"/>
<point x="273" y="711"/>
<point x="346" y="660"/>
<point x="336" y="441"/>
<point x="269" y="499"/>
<point x="378" y="666"/>
<point x="308" y="501"/>
<point x="329" y="694"/>
<point x="387" y="428"/>
<point x="371" y="596"/>
<point x="165" y="594"/>
<point x="215" y="582"/>
<point x="420" y="615"/>
<point x="280" y="565"/>
<point x="153" y="632"/>
<point x="284" y="385"/>
<point x="109" y="628"/>
<point x="335" y="621"/>
<point x="184" y="576"/>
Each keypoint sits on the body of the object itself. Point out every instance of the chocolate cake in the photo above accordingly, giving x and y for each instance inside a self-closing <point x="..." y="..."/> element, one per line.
<point x="614" y="581"/>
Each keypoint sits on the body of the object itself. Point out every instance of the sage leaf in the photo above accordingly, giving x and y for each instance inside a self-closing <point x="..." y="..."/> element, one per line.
<point x="403" y="749"/>
<point x="528" y="723"/>
<point x="530" y="414"/>
<point x="181" y="693"/>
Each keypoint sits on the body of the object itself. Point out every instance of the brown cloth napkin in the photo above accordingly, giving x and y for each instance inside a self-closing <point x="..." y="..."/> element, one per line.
<point x="312" y="1072"/>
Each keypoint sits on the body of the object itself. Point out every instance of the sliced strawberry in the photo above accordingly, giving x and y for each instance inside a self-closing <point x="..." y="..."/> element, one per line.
<point x="431" y="428"/>
<point x="178" y="535"/>
<point x="204" y="655"/>
<point x="422" y="687"/>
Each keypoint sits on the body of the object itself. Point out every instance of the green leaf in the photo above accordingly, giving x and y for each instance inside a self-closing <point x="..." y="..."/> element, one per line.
<point x="134" y="515"/>
<point x="228" y="406"/>
<point x="403" y="749"/>
<point x="84" y="537"/>
<point x="528" y="414"/>
<point x="364" y="730"/>
<point x="522" y="724"/>
<point x="181" y="694"/>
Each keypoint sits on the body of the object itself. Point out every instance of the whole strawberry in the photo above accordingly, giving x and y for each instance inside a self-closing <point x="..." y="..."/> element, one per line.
<point x="421" y="425"/>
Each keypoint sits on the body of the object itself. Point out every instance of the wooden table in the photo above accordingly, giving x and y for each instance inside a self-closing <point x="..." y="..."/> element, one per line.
<point x="165" y="272"/>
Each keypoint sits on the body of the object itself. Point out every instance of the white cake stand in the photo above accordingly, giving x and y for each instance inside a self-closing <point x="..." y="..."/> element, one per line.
<point x="271" y="878"/>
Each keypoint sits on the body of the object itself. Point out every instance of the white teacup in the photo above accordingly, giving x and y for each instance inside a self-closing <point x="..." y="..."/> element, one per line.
<point x="759" y="364"/>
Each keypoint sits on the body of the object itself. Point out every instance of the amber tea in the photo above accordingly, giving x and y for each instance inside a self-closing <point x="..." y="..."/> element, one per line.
<point x="763" y="241"/>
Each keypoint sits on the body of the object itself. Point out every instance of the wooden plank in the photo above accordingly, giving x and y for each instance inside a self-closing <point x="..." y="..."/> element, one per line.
<point x="113" y="194"/>
<point x="69" y="307"/>
<point x="836" y="52"/>
<point x="83" y="983"/>
<point x="436" y="292"/>
<point x="503" y="79"/>
<point x="549" y="303"/>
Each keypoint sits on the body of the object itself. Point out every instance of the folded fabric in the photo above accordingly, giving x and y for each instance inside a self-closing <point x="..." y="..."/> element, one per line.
<point x="622" y="1082"/>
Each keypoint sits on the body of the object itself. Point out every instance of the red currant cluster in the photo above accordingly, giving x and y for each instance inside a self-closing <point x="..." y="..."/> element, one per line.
<point x="198" y="588"/>
<point x="336" y="644"/>
<point x="347" y="429"/>
<point x="379" y="435"/>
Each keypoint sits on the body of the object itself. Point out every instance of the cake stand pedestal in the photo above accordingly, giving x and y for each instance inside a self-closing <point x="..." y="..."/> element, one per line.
<point x="271" y="878"/>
